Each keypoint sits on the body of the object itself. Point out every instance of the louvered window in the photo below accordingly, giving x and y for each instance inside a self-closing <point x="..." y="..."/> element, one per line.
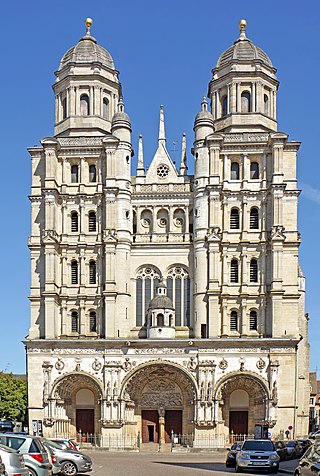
<point x="92" y="272"/>
<point x="74" y="173"/>
<point x="253" y="321"/>
<point x="253" y="271"/>
<point x="245" y="102"/>
<point x="254" y="218"/>
<point x="74" y="221"/>
<point x="92" y="221"/>
<point x="224" y="106"/>
<point x="92" y="173"/>
<point x="254" y="170"/>
<point x="93" y="321"/>
<point x="74" y="321"/>
<point x="234" y="219"/>
<point x="84" y="105"/>
<point x="233" y="321"/>
<point x="105" y="111"/>
<point x="234" y="275"/>
<point x="235" y="171"/>
<point x="74" y="272"/>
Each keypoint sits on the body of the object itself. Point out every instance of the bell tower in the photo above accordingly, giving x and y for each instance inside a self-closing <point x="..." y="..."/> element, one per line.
<point x="87" y="89"/>
<point x="243" y="88"/>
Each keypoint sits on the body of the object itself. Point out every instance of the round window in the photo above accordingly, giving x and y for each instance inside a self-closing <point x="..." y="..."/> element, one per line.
<point x="162" y="221"/>
<point x="162" y="171"/>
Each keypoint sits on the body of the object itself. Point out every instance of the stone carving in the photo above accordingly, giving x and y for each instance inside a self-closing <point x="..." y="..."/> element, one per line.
<point x="97" y="365"/>
<point x="48" y="421"/>
<point x="113" y="364"/>
<point x="207" y="363"/>
<point x="192" y="364"/>
<point x="78" y="364"/>
<point x="274" y="395"/>
<point x="127" y="365"/>
<point x="80" y="141"/>
<point x="223" y="364"/>
<point x="59" y="365"/>
<point x="242" y="362"/>
<point x="160" y="350"/>
<point x="260" y="364"/>
<point x="166" y="400"/>
<point x="245" y="137"/>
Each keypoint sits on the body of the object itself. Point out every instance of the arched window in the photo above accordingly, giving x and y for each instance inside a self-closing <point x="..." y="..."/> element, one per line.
<point x="74" y="272"/>
<point x="224" y="106"/>
<point x="74" y="321"/>
<point x="254" y="218"/>
<point x="92" y="272"/>
<point x="234" y="271"/>
<point x="74" y="173"/>
<point x="233" y="321"/>
<point x="178" y="290"/>
<point x="92" y="221"/>
<point x="146" y="283"/>
<point x="245" y="102"/>
<point x="160" y="320"/>
<point x="235" y="171"/>
<point x="64" y="108"/>
<point x="254" y="170"/>
<point x="253" y="321"/>
<point x="92" y="173"/>
<point x="84" y="105"/>
<point x="266" y="104"/>
<point x="253" y="271"/>
<point x="74" y="221"/>
<point x="93" y="321"/>
<point x="234" y="219"/>
<point x="105" y="112"/>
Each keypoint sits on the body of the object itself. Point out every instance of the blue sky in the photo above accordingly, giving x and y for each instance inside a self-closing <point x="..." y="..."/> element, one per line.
<point x="164" y="52"/>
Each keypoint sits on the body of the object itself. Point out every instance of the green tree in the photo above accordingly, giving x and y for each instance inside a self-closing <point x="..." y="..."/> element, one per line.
<point x="13" y="397"/>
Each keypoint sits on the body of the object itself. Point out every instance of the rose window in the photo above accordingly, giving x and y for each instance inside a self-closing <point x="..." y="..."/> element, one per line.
<point x="162" y="171"/>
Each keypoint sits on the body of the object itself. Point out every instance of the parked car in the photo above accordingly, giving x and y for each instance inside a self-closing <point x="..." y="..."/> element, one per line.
<point x="305" y="444"/>
<point x="34" y="454"/>
<point x="294" y="449"/>
<point x="281" y="449"/>
<point x="257" y="454"/>
<point x="232" y="453"/>
<point x="72" y="462"/>
<point x="56" y="467"/>
<point x="66" y="443"/>
<point x="309" y="464"/>
<point x="13" y="461"/>
<point x="315" y="434"/>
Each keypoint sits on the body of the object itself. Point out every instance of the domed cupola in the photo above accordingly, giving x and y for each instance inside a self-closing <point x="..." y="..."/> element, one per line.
<point x="243" y="88"/>
<point x="87" y="89"/>
<point x="161" y="315"/>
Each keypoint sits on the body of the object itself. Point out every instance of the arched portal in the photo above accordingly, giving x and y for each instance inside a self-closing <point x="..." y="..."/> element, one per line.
<point x="75" y="405"/>
<point x="161" y="397"/>
<point x="243" y="402"/>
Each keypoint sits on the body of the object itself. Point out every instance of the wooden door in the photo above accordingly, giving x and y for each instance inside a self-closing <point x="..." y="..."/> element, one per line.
<point x="85" y="420"/>
<point x="238" y="422"/>
<point x="150" y="426"/>
<point x="173" y="421"/>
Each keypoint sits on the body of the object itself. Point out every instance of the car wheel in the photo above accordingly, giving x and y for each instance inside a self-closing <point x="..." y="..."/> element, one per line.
<point x="31" y="472"/>
<point x="68" y="468"/>
<point x="238" y="469"/>
<point x="274" y="470"/>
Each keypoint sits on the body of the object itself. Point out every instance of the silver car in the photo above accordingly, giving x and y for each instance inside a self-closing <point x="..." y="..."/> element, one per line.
<point x="257" y="454"/>
<point x="72" y="462"/>
<point x="34" y="454"/>
<point x="13" y="461"/>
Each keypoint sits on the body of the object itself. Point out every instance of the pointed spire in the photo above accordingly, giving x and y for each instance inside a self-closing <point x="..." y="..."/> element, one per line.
<point x="162" y="134"/>
<point x="121" y="105"/>
<point x="242" y="25"/>
<point x="183" y="165"/>
<point x="204" y="104"/>
<point x="140" y="167"/>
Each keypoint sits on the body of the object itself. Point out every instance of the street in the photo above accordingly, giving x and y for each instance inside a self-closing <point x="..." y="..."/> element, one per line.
<point x="156" y="464"/>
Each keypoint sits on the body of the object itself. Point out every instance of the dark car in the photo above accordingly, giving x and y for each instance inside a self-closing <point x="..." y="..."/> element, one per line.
<point x="281" y="449"/>
<point x="309" y="464"/>
<point x="294" y="449"/>
<point x="305" y="444"/>
<point x="232" y="453"/>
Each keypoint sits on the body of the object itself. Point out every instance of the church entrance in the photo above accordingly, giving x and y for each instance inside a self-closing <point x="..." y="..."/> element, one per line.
<point x="238" y="422"/>
<point x="150" y="426"/>
<point x="173" y="423"/>
<point x="85" y="420"/>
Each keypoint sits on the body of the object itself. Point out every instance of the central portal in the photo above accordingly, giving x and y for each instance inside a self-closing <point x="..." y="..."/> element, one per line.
<point x="150" y="426"/>
<point x="173" y="423"/>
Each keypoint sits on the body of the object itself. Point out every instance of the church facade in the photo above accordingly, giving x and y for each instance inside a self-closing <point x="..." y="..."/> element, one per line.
<point x="165" y="302"/>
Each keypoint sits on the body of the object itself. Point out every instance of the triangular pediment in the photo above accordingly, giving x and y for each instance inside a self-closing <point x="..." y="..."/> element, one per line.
<point x="161" y="169"/>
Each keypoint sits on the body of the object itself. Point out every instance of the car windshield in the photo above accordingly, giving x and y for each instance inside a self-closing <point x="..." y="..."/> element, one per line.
<point x="265" y="445"/>
<point x="236" y="446"/>
<point x="291" y="443"/>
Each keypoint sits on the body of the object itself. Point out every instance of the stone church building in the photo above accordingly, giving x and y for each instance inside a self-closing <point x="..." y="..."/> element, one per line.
<point x="161" y="301"/>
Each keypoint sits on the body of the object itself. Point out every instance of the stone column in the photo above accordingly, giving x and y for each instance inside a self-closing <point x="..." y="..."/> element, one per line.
<point x="162" y="440"/>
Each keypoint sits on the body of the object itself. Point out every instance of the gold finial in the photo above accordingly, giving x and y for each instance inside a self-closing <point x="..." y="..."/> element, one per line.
<point x="88" y="22"/>
<point x="242" y="24"/>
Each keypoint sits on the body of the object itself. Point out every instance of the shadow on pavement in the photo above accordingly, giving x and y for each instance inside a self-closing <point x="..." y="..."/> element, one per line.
<point x="205" y="466"/>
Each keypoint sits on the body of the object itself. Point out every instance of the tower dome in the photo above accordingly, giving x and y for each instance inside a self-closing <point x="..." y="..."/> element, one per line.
<point x="161" y="315"/>
<point x="243" y="88"/>
<point x="87" y="89"/>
